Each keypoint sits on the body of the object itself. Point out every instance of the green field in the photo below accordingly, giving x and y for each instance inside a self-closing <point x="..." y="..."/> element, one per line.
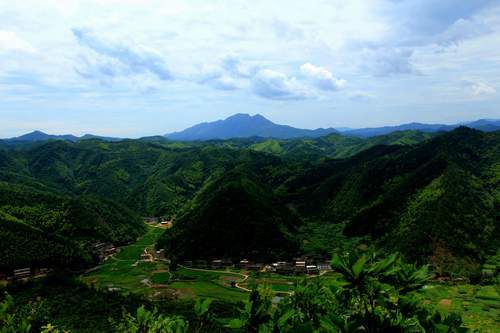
<point x="126" y="273"/>
<point x="281" y="284"/>
<point x="204" y="283"/>
<point x="479" y="305"/>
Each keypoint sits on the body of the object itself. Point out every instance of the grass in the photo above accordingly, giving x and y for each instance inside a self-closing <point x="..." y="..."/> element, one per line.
<point x="191" y="283"/>
<point x="208" y="289"/>
<point x="161" y="277"/>
<point x="125" y="272"/>
<point x="478" y="305"/>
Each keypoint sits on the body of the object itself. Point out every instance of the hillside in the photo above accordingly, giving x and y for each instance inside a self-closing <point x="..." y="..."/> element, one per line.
<point x="234" y="217"/>
<point x="439" y="194"/>
<point x="337" y="145"/>
<point x="436" y="192"/>
<point x="42" y="229"/>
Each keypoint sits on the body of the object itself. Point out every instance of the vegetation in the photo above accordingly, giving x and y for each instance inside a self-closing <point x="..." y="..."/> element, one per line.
<point x="371" y="294"/>
<point x="433" y="198"/>
<point x="254" y="223"/>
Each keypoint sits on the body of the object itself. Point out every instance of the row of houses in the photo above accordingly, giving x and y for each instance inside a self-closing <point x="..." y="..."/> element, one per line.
<point x="24" y="273"/>
<point x="298" y="266"/>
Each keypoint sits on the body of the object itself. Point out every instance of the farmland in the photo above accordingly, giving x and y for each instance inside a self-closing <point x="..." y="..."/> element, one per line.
<point x="478" y="305"/>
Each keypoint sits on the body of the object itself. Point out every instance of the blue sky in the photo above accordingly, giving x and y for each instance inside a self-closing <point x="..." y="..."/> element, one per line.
<point x="143" y="67"/>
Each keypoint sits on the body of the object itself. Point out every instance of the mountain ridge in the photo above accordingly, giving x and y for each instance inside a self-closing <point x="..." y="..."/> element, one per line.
<point x="244" y="125"/>
<point x="37" y="136"/>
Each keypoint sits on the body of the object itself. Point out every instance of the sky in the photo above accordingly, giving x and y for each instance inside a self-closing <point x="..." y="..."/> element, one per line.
<point x="134" y="68"/>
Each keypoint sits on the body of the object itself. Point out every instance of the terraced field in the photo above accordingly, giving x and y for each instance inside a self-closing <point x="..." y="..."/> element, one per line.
<point x="479" y="305"/>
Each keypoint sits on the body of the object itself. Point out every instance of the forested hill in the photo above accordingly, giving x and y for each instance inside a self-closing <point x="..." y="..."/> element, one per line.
<point x="420" y="194"/>
<point x="442" y="195"/>
<point x="437" y="199"/>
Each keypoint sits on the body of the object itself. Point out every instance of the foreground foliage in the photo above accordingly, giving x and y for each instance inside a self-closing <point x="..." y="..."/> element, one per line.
<point x="371" y="294"/>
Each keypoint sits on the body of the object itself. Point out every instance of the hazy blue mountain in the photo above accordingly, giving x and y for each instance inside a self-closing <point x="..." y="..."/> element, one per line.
<point x="41" y="136"/>
<point x="486" y="125"/>
<point x="37" y="136"/>
<point x="243" y="125"/>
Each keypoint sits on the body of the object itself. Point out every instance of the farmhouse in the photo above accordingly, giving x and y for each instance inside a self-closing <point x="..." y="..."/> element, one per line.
<point x="255" y="267"/>
<point x="160" y="254"/>
<point x="324" y="266"/>
<point x="300" y="266"/>
<point x="283" y="267"/>
<point x="217" y="263"/>
<point x="312" y="269"/>
<point x="145" y="256"/>
<point x="167" y="224"/>
<point x="22" y="273"/>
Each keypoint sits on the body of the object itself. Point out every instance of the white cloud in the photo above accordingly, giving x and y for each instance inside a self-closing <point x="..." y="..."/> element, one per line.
<point x="107" y="62"/>
<point x="462" y="30"/>
<point x="235" y="67"/>
<point x="225" y="82"/>
<point x="389" y="61"/>
<point x="275" y="85"/>
<point x="10" y="41"/>
<point x="478" y="88"/>
<point x="322" y="78"/>
<point x="376" y="46"/>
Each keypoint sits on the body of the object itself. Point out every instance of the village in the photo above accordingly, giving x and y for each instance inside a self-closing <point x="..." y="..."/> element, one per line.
<point x="103" y="252"/>
<point x="298" y="266"/>
<point x="302" y="265"/>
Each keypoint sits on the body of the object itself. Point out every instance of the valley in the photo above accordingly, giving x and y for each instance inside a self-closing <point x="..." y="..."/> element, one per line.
<point x="238" y="222"/>
<point x="194" y="166"/>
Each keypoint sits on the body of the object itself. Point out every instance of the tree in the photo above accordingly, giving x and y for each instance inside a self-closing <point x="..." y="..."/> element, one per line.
<point x="146" y="321"/>
<point x="371" y="295"/>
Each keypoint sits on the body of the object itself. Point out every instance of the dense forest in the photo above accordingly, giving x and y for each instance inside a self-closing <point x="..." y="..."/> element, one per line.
<point x="433" y="198"/>
<point x="418" y="195"/>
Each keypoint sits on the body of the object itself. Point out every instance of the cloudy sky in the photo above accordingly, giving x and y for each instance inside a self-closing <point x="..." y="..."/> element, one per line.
<point x="143" y="67"/>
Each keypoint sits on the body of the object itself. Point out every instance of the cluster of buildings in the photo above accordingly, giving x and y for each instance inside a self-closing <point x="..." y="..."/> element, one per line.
<point x="152" y="256"/>
<point x="297" y="266"/>
<point x="24" y="273"/>
<point x="158" y="220"/>
<point x="104" y="250"/>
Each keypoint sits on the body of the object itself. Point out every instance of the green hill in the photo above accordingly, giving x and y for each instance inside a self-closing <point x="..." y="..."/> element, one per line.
<point x="415" y="199"/>
<point x="235" y="217"/>
<point x="438" y="193"/>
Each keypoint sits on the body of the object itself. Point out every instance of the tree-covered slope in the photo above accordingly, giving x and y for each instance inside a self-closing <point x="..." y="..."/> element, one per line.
<point x="336" y="145"/>
<point x="403" y="188"/>
<point x="41" y="228"/>
<point x="415" y="199"/>
<point x="24" y="245"/>
<point x="234" y="216"/>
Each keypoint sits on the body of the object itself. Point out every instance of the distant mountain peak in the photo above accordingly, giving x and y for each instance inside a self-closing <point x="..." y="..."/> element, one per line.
<point x="38" y="135"/>
<point x="241" y="125"/>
